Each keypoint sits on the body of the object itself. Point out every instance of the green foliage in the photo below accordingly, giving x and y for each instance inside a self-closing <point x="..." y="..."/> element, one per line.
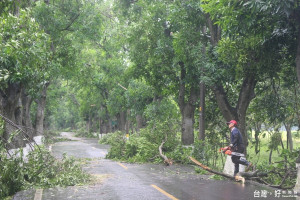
<point x="9" y="7"/>
<point x="117" y="142"/>
<point x="110" y="138"/>
<point x="207" y="153"/>
<point x="181" y="154"/>
<point x="85" y="134"/>
<point x="156" y="132"/>
<point x="163" y="122"/>
<point x="139" y="149"/>
<point x="297" y="134"/>
<point x="81" y="131"/>
<point x="50" y="137"/>
<point x="161" y="110"/>
<point x="11" y="176"/>
<point x="41" y="169"/>
<point x="117" y="101"/>
<point x="286" y="166"/>
<point x="143" y="146"/>
<point x="62" y="106"/>
<point x="275" y="140"/>
<point x="24" y="51"/>
<point x="138" y="96"/>
<point x="217" y="177"/>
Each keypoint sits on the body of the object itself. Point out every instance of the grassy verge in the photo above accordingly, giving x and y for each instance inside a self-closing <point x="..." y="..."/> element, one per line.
<point x="264" y="150"/>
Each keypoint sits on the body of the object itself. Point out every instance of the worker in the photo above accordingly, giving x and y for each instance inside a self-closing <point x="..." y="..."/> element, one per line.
<point x="237" y="147"/>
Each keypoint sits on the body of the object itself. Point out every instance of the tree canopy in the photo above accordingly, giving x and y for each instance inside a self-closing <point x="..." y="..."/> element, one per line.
<point x="136" y="66"/>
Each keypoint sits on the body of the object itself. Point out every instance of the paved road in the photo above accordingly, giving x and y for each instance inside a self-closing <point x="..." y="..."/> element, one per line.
<point x="123" y="181"/>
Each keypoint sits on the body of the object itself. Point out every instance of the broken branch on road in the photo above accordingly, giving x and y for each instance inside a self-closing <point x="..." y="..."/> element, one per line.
<point x="167" y="161"/>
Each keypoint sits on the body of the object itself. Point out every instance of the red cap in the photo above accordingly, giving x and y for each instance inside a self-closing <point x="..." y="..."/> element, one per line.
<point x="233" y="122"/>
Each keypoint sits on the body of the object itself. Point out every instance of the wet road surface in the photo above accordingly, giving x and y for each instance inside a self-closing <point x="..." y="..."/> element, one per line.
<point x="123" y="181"/>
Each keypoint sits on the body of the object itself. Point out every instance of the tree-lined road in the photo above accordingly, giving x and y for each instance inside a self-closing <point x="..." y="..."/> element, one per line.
<point x="123" y="181"/>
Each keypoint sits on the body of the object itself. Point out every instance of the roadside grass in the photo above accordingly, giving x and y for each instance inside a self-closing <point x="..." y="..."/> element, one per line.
<point x="263" y="156"/>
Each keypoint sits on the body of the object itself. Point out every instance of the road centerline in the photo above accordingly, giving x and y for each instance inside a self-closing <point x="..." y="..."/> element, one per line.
<point x="122" y="165"/>
<point x="164" y="192"/>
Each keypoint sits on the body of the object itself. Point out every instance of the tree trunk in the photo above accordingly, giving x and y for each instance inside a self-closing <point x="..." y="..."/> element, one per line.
<point x="289" y="136"/>
<point x="187" y="109"/>
<point x="187" y="126"/>
<point x="298" y="55"/>
<point x="128" y="122"/>
<point x="40" y="113"/>
<point x="106" y="128"/>
<point x="246" y="92"/>
<point x="202" y="112"/>
<point x="89" y="123"/>
<point x="297" y="187"/>
<point x="109" y="125"/>
<point x="102" y="127"/>
<point x="121" y="119"/>
<point x="27" y="123"/>
<point x="215" y="31"/>
<point x="9" y="101"/>
<point x="256" y="134"/>
<point x="237" y="113"/>
<point x="17" y="8"/>
<point x="19" y="112"/>
<point x="139" y="122"/>
<point x="270" y="156"/>
<point x="202" y="96"/>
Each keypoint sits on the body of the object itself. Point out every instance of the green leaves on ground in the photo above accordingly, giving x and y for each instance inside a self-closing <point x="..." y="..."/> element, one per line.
<point x="40" y="170"/>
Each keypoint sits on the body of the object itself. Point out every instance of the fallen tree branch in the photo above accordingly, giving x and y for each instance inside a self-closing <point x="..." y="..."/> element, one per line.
<point x="256" y="176"/>
<point x="253" y="174"/>
<point x="24" y="134"/>
<point x="167" y="161"/>
<point x="273" y="186"/>
<point x="211" y="170"/>
<point x="239" y="177"/>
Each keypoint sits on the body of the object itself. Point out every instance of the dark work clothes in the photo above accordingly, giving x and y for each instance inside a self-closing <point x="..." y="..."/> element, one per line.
<point x="237" y="146"/>
<point x="237" y="140"/>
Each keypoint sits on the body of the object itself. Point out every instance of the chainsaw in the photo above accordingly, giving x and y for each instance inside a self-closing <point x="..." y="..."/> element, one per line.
<point x="227" y="150"/>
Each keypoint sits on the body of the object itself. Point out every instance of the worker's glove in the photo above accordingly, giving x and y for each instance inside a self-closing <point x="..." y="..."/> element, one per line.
<point x="231" y="145"/>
